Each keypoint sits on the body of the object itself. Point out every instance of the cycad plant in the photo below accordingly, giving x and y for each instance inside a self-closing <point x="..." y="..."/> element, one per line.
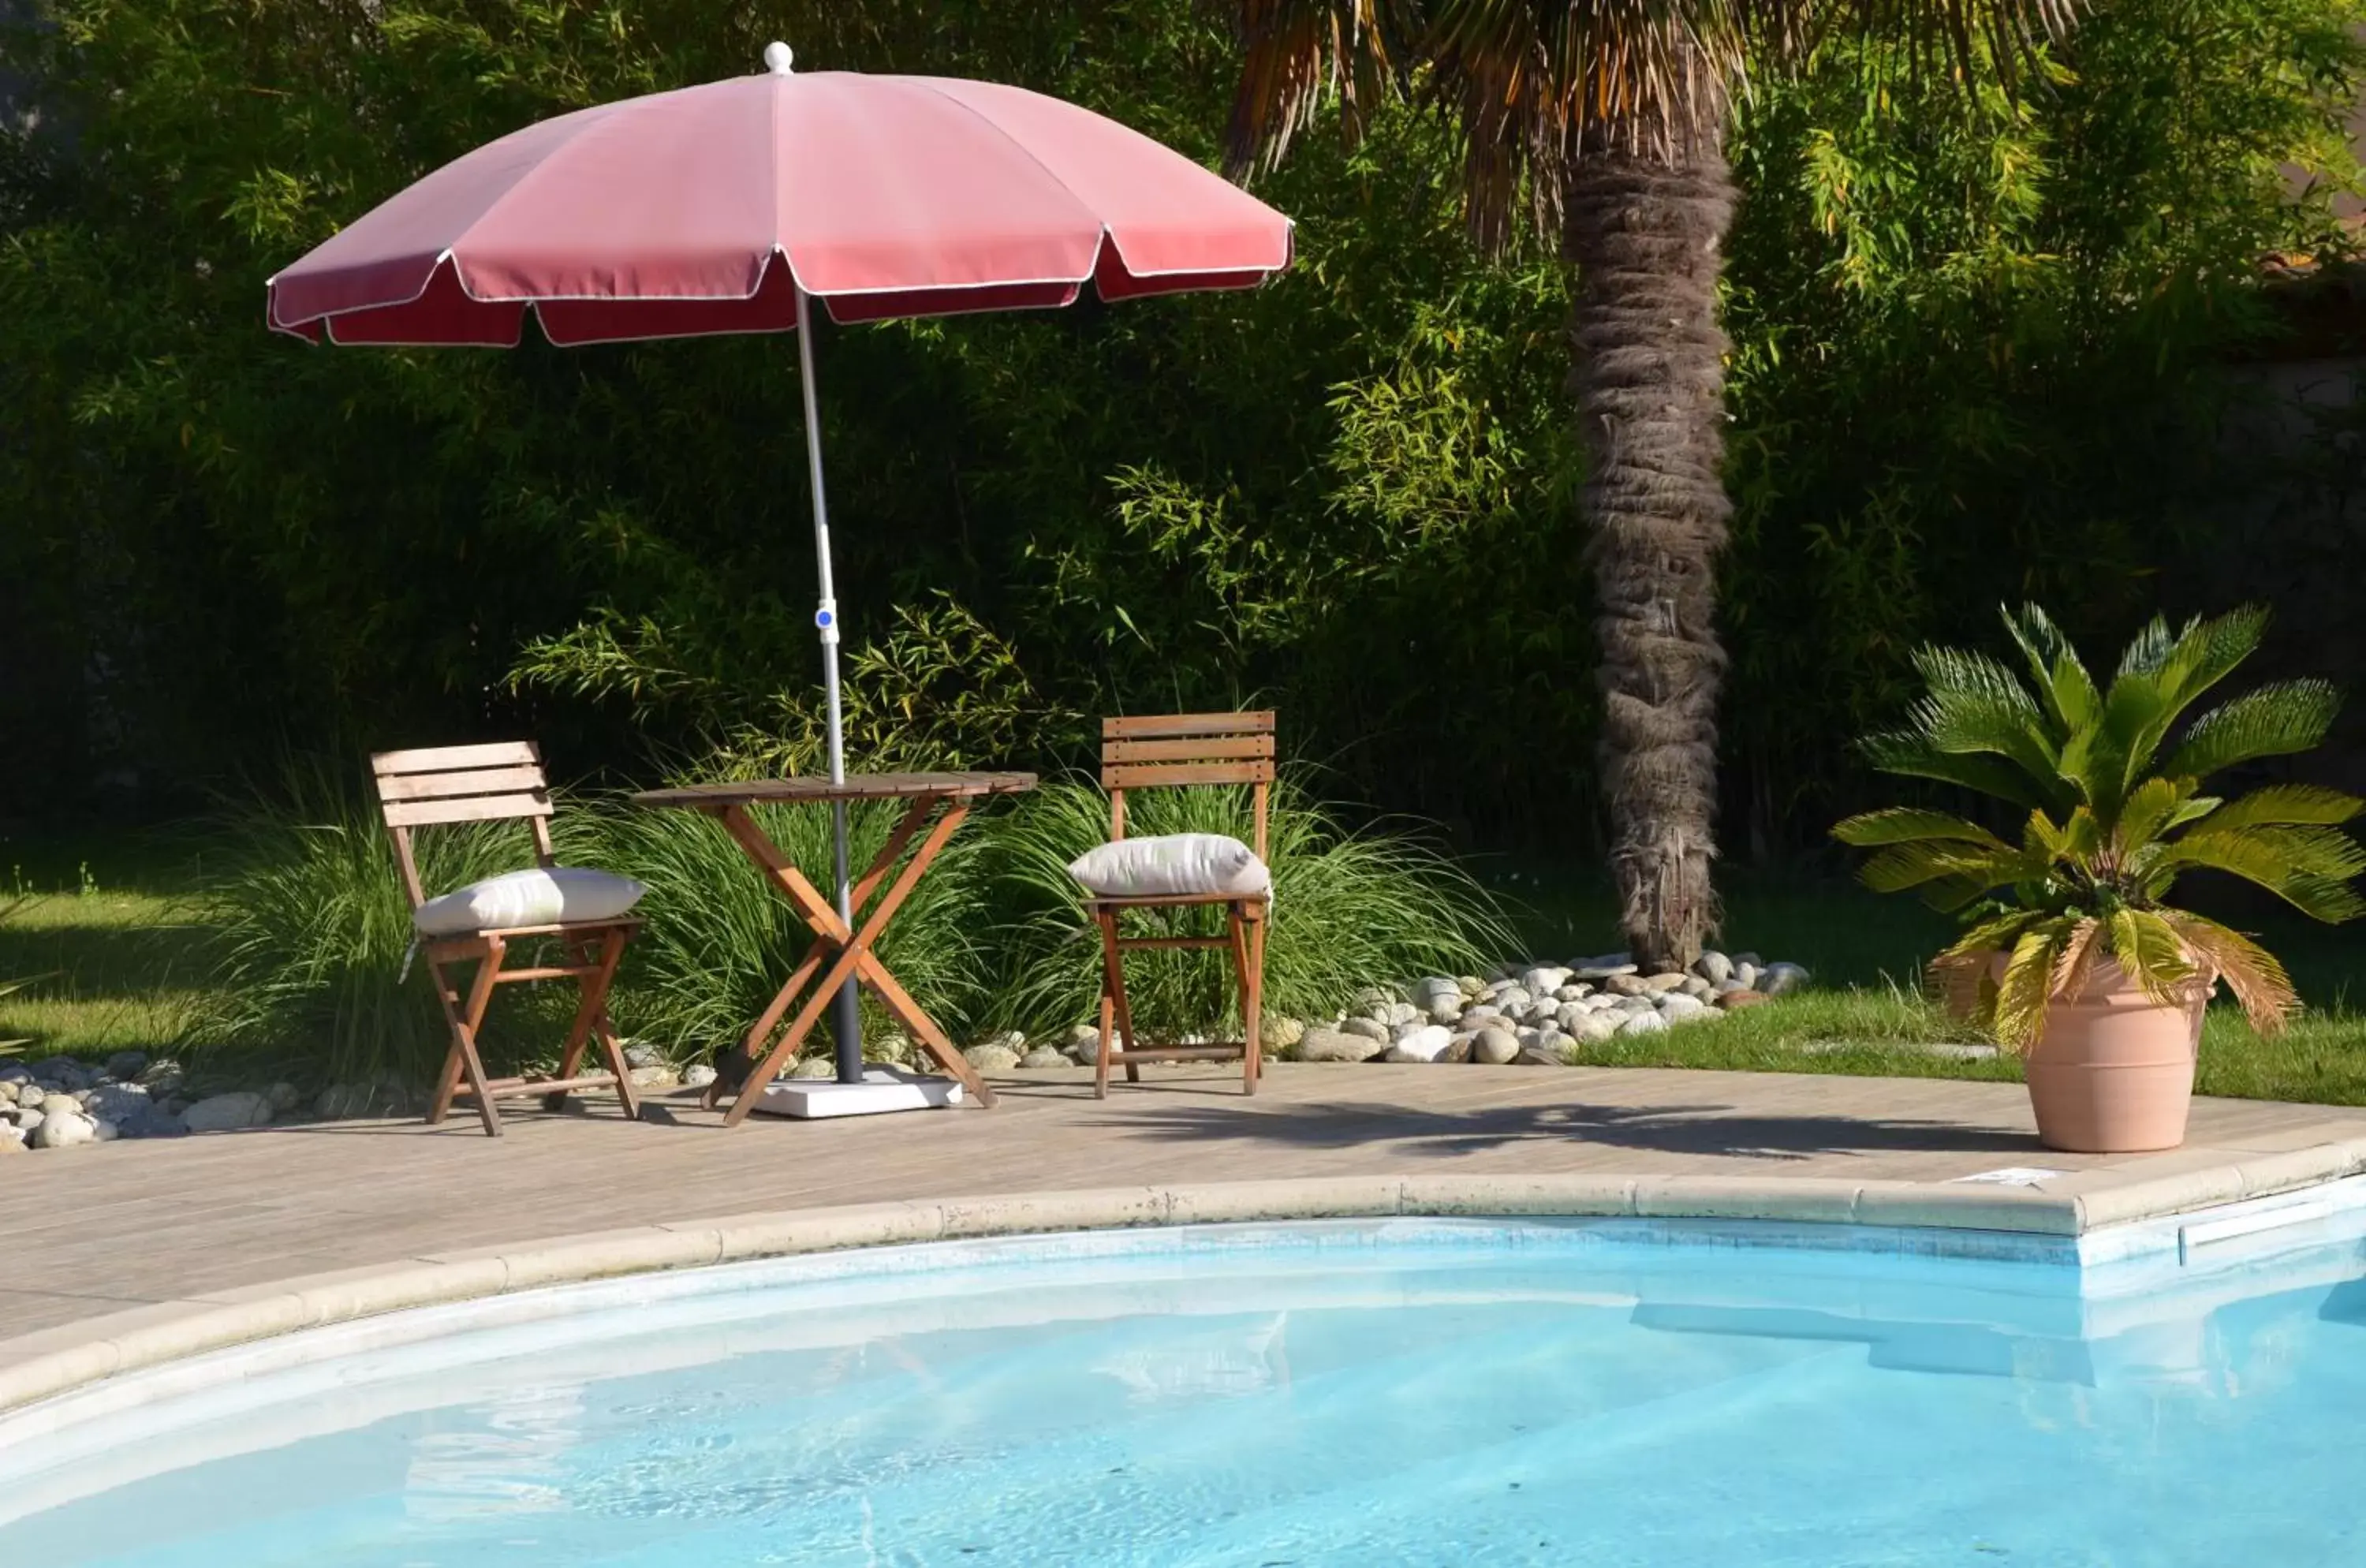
<point x="2114" y="781"/>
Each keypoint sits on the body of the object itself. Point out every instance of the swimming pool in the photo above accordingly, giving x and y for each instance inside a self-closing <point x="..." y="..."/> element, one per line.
<point x="1604" y="1393"/>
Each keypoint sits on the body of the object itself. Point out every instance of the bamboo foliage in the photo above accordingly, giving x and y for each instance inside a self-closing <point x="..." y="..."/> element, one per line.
<point x="2111" y="776"/>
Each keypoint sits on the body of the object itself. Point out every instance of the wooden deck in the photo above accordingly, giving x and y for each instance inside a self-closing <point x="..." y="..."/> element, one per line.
<point x="92" y="1232"/>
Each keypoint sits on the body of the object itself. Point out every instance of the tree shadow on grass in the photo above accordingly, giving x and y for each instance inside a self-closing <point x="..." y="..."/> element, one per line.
<point x="1704" y="1130"/>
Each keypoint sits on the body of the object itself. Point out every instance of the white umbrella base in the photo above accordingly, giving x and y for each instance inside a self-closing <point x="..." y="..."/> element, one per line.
<point x="882" y="1090"/>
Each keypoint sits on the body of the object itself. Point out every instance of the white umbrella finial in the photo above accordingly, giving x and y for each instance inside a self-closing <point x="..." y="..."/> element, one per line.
<point x="778" y="57"/>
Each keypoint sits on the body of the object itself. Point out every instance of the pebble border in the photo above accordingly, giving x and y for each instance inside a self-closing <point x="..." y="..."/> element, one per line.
<point x="53" y="1361"/>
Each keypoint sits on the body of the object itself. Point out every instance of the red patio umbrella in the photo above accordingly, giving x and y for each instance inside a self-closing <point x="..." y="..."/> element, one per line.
<point x="728" y="207"/>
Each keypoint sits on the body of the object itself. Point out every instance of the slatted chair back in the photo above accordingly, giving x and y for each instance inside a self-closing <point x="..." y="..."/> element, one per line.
<point x="1188" y="749"/>
<point x="500" y="782"/>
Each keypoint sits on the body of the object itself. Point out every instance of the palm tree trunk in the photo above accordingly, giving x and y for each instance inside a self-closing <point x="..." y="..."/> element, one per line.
<point x="1648" y="376"/>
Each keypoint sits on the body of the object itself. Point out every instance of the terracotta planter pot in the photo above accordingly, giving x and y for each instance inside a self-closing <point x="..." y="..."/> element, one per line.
<point x="2113" y="1072"/>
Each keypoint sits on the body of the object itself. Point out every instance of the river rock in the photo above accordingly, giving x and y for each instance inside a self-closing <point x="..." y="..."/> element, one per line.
<point x="821" y="1067"/>
<point x="1594" y="1028"/>
<point x="229" y="1112"/>
<point x="1713" y="967"/>
<point x="1700" y="990"/>
<point x="1536" y="1057"/>
<point x="125" y="1065"/>
<point x="1370" y="1028"/>
<point x="12" y="1140"/>
<point x="1781" y="977"/>
<point x="1044" y="1056"/>
<point x="1338" y="1045"/>
<point x="1747" y="973"/>
<point x="1595" y="971"/>
<point x="661" y="1075"/>
<point x="993" y="1057"/>
<point x="1429" y="988"/>
<point x="1629" y="984"/>
<point x="1515" y="999"/>
<point x="1660" y="983"/>
<point x="1544" y="980"/>
<point x="1678" y="1007"/>
<point x="1572" y="993"/>
<point x="1734" y="1001"/>
<point x="63" y="1129"/>
<point x="1457" y="1049"/>
<point x="698" y="1075"/>
<point x="119" y="1103"/>
<point x="1643" y="1023"/>
<point x="1493" y="1047"/>
<point x="1278" y="1032"/>
<point x="26" y="1119"/>
<point x="1424" y="1043"/>
<point x="162" y="1080"/>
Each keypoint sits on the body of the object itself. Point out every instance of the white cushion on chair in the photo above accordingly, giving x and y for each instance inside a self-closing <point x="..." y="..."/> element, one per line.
<point x="545" y="896"/>
<point x="1173" y="865"/>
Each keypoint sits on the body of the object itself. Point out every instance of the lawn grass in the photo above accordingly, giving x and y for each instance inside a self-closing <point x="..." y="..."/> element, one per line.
<point x="111" y="933"/>
<point x="1868" y="1009"/>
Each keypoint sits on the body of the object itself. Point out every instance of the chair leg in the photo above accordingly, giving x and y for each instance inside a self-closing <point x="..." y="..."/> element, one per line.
<point x="1248" y="963"/>
<point x="1113" y="985"/>
<point x="578" y="1031"/>
<point x="463" y="1058"/>
<point x="439" y="1104"/>
<point x="595" y="1004"/>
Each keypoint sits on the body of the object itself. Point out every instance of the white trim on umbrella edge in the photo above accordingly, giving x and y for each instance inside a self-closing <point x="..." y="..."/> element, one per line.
<point x="327" y="319"/>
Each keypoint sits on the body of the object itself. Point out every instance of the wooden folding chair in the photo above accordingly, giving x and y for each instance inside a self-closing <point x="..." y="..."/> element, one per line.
<point x="1183" y="749"/>
<point x="489" y="784"/>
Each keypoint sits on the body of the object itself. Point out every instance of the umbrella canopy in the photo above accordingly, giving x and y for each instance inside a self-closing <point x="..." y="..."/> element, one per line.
<point x="711" y="208"/>
<point x="729" y="208"/>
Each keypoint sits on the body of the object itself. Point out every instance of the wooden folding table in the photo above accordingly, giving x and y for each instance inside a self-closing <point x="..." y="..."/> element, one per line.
<point x="938" y="804"/>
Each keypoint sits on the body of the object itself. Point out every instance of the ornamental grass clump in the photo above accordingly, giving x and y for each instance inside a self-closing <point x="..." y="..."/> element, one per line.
<point x="2113" y="779"/>
<point x="316" y="934"/>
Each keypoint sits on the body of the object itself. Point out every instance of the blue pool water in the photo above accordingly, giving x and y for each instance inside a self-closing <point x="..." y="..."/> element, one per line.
<point x="1386" y="1392"/>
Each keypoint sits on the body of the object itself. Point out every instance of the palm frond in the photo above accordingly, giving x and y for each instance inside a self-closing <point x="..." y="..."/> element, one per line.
<point x="1297" y="56"/>
<point x="2206" y="652"/>
<point x="2278" y="804"/>
<point x="1910" y="754"/>
<point x="2258" y="981"/>
<point x="1900" y="867"/>
<point x="2148" y="810"/>
<point x="2110" y="756"/>
<point x="2150" y="953"/>
<point x="1901" y="824"/>
<point x="1974" y="723"/>
<point x="2309" y="868"/>
<point x="2024" y="987"/>
<point x="2149" y="648"/>
<point x="2273" y="721"/>
<point x="2080" y="948"/>
<point x="2063" y="685"/>
<point x="1960" y="973"/>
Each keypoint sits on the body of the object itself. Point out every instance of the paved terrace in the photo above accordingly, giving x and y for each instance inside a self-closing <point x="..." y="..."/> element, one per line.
<point x="110" y="1231"/>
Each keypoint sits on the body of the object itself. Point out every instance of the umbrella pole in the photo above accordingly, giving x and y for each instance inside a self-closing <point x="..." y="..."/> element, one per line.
<point x="846" y="1013"/>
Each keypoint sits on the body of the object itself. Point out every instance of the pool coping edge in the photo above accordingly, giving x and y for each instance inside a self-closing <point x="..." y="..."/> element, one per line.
<point x="53" y="1361"/>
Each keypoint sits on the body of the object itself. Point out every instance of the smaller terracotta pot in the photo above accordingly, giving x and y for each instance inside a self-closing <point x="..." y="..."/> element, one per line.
<point x="2113" y="1071"/>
